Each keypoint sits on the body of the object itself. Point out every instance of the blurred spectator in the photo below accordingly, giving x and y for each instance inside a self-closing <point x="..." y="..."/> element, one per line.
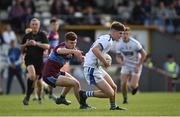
<point x="162" y="11"/>
<point x="177" y="7"/>
<point x="90" y="17"/>
<point x="172" y="68"/>
<point x="138" y="13"/>
<point x="14" y="60"/>
<point x="161" y="15"/>
<point x="71" y="13"/>
<point x="15" y="15"/>
<point x="149" y="16"/>
<point x="28" y="15"/>
<point x="5" y="4"/>
<point x="1" y="37"/>
<point x="29" y="4"/>
<point x="58" y="8"/>
<point x="171" y="11"/>
<point x="3" y="63"/>
<point x="124" y="10"/>
<point x="8" y="34"/>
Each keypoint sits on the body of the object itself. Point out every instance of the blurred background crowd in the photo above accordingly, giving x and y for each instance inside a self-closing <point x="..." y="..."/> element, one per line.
<point x="164" y="13"/>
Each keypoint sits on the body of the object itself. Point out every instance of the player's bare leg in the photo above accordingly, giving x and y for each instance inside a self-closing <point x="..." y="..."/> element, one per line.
<point x="61" y="99"/>
<point x="30" y="83"/>
<point x="124" y="87"/>
<point x="134" y="83"/>
<point x="68" y="81"/>
<point x="39" y="90"/>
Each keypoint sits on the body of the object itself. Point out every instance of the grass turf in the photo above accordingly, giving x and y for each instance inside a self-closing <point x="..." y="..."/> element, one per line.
<point x="146" y="104"/>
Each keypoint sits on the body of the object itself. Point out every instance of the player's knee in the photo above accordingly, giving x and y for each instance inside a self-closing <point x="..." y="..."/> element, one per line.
<point x="76" y="83"/>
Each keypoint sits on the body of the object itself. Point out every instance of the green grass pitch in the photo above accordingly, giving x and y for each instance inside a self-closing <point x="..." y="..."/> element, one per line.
<point x="146" y="104"/>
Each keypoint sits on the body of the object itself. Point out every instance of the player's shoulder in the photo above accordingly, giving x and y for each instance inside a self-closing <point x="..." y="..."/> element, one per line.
<point x="62" y="44"/>
<point x="27" y="35"/>
<point x="42" y="33"/>
<point x="106" y="36"/>
<point x="133" y="40"/>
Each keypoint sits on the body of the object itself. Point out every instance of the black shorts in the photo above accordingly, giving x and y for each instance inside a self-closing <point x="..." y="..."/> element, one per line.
<point x="38" y="64"/>
<point x="51" y="80"/>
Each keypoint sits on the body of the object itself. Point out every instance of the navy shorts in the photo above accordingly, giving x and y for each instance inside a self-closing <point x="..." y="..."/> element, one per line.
<point x="51" y="80"/>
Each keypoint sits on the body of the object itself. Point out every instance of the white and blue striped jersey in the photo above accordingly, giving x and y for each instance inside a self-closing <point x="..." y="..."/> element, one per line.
<point x="105" y="41"/>
<point x="130" y="51"/>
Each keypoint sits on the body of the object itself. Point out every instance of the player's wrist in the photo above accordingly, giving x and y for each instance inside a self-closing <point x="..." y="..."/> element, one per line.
<point x="37" y="43"/>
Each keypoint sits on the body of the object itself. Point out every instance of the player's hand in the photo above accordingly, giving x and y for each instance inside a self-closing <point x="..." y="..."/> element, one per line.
<point x="78" y="55"/>
<point x="137" y="67"/>
<point x="107" y="63"/>
<point x="30" y="43"/>
<point x="33" y="42"/>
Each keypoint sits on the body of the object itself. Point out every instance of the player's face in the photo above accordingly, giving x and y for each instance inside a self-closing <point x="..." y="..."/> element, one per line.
<point x="71" y="44"/>
<point x="55" y="26"/>
<point x="126" y="35"/>
<point x="35" y="25"/>
<point x="117" y="35"/>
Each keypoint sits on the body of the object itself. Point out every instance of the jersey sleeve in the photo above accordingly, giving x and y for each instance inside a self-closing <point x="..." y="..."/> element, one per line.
<point x="24" y="39"/>
<point x="104" y="43"/>
<point x="138" y="46"/>
<point x="44" y="38"/>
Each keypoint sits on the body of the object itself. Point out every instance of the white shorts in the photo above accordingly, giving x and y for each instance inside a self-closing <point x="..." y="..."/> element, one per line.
<point x="125" y="70"/>
<point x="94" y="75"/>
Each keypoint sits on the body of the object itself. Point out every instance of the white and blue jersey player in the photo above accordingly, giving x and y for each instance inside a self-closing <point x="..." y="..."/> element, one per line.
<point x="94" y="74"/>
<point x="131" y="55"/>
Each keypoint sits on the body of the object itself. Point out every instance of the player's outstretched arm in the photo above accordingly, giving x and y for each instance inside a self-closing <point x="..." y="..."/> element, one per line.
<point x="43" y="45"/>
<point x="77" y="53"/>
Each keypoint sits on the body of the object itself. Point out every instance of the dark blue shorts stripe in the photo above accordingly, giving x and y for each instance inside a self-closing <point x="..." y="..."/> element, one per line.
<point x="91" y="76"/>
<point x="50" y="81"/>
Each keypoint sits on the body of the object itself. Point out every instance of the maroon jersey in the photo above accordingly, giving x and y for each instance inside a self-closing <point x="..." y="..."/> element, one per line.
<point x="55" y="62"/>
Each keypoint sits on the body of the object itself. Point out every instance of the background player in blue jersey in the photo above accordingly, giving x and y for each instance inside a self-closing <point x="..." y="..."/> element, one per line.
<point x="130" y="55"/>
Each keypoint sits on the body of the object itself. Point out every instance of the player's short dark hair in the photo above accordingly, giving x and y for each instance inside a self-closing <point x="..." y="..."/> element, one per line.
<point x="117" y="26"/>
<point x="127" y="28"/>
<point x="53" y="20"/>
<point x="70" y="36"/>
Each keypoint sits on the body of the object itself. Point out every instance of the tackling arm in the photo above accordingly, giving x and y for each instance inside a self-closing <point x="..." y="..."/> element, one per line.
<point x="77" y="53"/>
